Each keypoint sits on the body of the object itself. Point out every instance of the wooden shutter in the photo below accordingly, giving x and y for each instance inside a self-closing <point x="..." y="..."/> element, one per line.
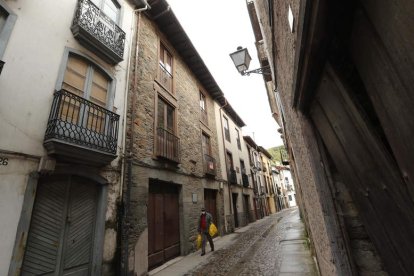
<point x="61" y="234"/>
<point x="44" y="239"/>
<point x="79" y="227"/>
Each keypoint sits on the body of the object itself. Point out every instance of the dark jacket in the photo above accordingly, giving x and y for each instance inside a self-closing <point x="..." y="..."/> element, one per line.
<point x="209" y="219"/>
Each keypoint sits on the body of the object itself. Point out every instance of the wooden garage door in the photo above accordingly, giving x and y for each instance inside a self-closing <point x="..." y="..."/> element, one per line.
<point x="163" y="223"/>
<point x="368" y="170"/>
<point x="60" y="239"/>
<point x="210" y="203"/>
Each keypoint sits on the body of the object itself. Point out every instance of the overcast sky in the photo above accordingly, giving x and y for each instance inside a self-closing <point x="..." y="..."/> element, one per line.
<point x="216" y="28"/>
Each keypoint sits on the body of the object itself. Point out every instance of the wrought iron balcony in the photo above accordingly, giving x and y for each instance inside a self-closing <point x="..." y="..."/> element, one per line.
<point x="232" y="176"/>
<point x="96" y="31"/>
<point x="1" y="66"/>
<point x="81" y="131"/>
<point x="245" y="179"/>
<point x="209" y="165"/>
<point x="167" y="145"/>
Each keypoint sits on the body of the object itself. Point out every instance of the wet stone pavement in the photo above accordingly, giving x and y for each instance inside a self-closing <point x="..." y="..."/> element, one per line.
<point x="275" y="245"/>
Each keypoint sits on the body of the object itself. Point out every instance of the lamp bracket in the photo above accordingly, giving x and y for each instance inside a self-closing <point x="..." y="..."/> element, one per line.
<point x="262" y="70"/>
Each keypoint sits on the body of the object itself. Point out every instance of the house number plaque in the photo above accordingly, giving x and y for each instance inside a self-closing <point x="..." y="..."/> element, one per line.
<point x="4" y="161"/>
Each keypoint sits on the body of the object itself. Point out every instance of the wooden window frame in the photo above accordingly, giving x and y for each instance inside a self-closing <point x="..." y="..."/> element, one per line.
<point x="166" y="102"/>
<point x="209" y="152"/>
<point x="162" y="51"/>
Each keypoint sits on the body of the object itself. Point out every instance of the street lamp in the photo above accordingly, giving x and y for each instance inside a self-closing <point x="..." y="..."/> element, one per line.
<point x="241" y="59"/>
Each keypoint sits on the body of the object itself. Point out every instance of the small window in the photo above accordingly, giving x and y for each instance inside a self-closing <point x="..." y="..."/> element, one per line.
<point x="290" y="198"/>
<point x="203" y="108"/>
<point x="226" y="129"/>
<point x="242" y="167"/>
<point x="166" y="73"/>
<point x="238" y="139"/>
<point x="206" y="144"/>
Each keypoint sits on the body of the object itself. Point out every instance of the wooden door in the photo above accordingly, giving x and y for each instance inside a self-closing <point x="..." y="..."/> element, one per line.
<point x="163" y="223"/>
<point x="210" y="203"/>
<point x="368" y="170"/>
<point x="61" y="235"/>
<point x="246" y="207"/>
<point x="235" y="211"/>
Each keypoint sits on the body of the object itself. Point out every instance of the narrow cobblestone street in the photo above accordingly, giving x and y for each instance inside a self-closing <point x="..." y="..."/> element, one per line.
<point x="275" y="245"/>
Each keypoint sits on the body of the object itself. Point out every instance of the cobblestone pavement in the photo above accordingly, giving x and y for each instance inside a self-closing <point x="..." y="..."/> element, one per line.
<point x="253" y="252"/>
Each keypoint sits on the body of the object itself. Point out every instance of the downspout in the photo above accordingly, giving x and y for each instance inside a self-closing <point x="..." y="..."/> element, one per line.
<point x="125" y="200"/>
<point x="224" y="150"/>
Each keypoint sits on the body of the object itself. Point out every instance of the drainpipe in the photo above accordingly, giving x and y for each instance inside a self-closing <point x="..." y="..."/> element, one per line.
<point x="126" y="198"/>
<point x="224" y="150"/>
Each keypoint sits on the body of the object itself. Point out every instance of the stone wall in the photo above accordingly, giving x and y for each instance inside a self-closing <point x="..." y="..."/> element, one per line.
<point x="311" y="186"/>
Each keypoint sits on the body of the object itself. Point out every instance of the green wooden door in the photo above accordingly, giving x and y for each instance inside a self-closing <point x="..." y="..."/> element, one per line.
<point x="62" y="227"/>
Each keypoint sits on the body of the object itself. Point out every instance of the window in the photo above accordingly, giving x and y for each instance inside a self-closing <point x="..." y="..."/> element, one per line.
<point x="166" y="73"/>
<point x="110" y="8"/>
<point x="209" y="161"/>
<point x="206" y="144"/>
<point x="165" y="116"/>
<point x="7" y="20"/>
<point x="242" y="167"/>
<point x="203" y="108"/>
<point x="85" y="80"/>
<point x="166" y="143"/>
<point x="226" y="129"/>
<point x="238" y="139"/>
<point x="290" y="198"/>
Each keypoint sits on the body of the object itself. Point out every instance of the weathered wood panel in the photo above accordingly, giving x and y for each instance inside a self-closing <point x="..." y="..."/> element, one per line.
<point x="368" y="171"/>
<point x="392" y="99"/>
<point x="394" y="22"/>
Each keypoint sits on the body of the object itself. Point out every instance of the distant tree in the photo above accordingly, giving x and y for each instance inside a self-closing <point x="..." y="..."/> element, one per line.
<point x="277" y="154"/>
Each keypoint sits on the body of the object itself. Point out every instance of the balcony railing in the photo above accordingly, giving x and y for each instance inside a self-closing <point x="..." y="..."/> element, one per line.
<point x="1" y="66"/>
<point x="167" y="145"/>
<point x="209" y="165"/>
<point x="77" y="122"/>
<point x="97" y="31"/>
<point x="232" y="176"/>
<point x="245" y="179"/>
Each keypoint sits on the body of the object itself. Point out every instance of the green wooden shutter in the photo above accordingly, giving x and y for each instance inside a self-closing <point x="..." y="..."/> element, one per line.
<point x="80" y="227"/>
<point x="45" y="230"/>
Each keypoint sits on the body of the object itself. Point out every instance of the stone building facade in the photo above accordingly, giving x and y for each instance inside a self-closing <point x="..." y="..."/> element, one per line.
<point x="62" y="97"/>
<point x="334" y="68"/>
<point x="174" y="166"/>
<point x="235" y="168"/>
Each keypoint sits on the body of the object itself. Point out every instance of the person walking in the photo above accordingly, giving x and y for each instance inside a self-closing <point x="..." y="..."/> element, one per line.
<point x="204" y="223"/>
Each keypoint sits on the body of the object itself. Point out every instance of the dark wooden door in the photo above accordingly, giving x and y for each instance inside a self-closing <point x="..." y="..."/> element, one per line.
<point x="210" y="203"/>
<point x="61" y="235"/>
<point x="235" y="211"/>
<point x="163" y="223"/>
<point x="368" y="170"/>
<point x="246" y="207"/>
